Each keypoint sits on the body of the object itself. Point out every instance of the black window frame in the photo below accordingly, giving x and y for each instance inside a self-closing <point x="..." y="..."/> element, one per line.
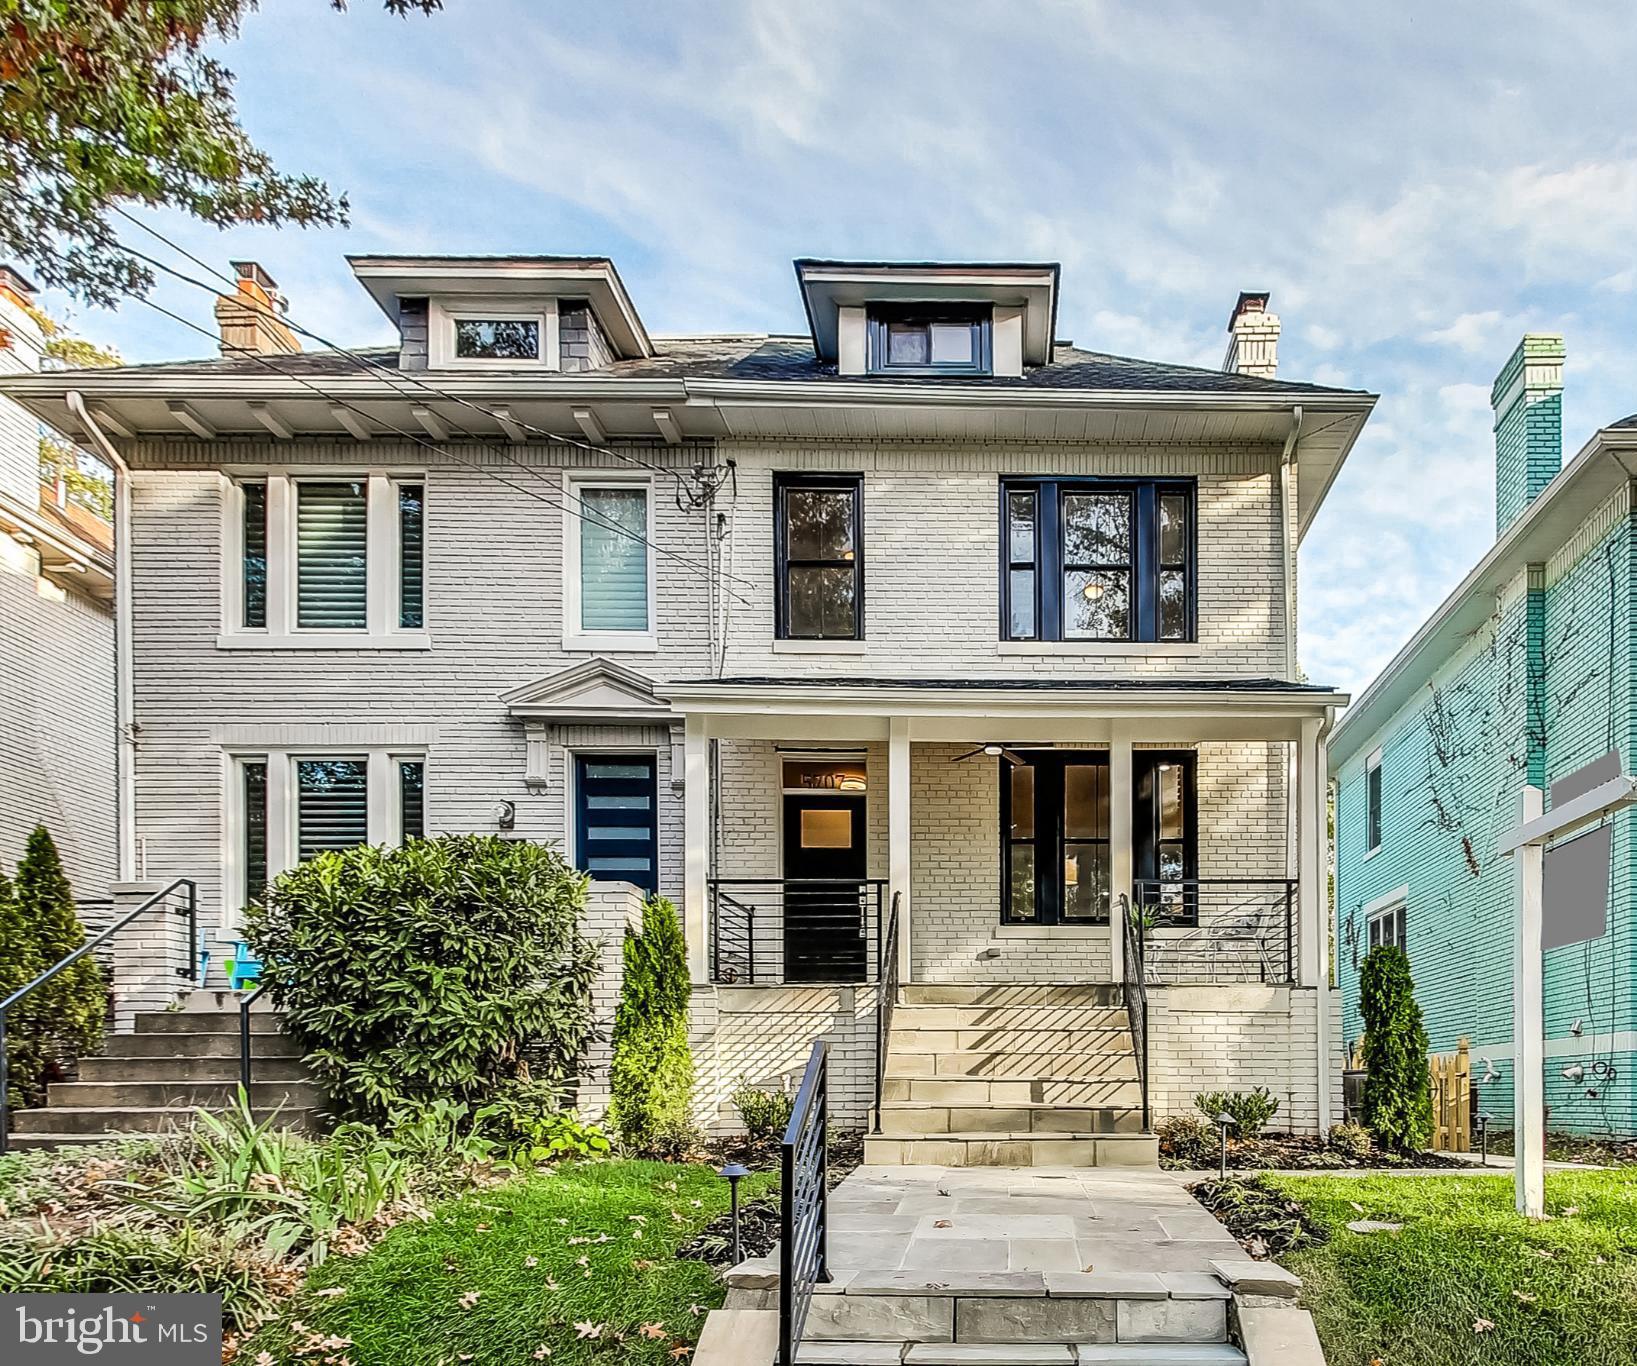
<point x="979" y="317"/>
<point x="1144" y="568"/>
<point x="1181" y="911"/>
<point x="853" y="485"/>
<point x="1372" y="803"/>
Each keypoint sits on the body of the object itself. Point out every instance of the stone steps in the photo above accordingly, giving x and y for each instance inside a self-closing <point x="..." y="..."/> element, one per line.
<point x="204" y="1022"/>
<point x="1020" y="1037"/>
<point x="193" y="1044"/>
<point x="98" y="1122"/>
<point x="1019" y="1354"/>
<point x="187" y="1068"/>
<point x="1001" y="1017"/>
<point x="1013" y="1150"/>
<point x="217" y="1095"/>
<point x="1118" y="1092"/>
<point x="1012" y="994"/>
<point x="911" y="1119"/>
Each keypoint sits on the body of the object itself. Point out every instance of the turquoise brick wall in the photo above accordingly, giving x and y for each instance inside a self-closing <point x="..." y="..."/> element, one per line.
<point x="1544" y="688"/>
<point x="1528" y="430"/>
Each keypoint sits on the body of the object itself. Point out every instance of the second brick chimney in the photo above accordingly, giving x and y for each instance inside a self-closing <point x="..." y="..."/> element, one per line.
<point x="252" y="318"/>
<point x="1253" y="337"/>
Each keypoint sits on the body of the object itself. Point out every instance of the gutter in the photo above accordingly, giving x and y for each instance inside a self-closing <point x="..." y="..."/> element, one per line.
<point x="124" y="692"/>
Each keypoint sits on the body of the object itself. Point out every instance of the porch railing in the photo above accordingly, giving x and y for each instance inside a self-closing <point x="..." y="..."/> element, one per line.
<point x="804" y="1202"/>
<point x="1216" y="930"/>
<point x="885" y="998"/>
<point x="1135" y="990"/>
<point x="792" y="930"/>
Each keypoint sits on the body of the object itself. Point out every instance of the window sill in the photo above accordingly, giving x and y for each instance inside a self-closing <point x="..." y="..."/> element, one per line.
<point x="1370" y="854"/>
<point x="818" y="647"/>
<point x="1169" y="649"/>
<point x="1085" y="930"/>
<point x="317" y="640"/>
<point x="611" y="642"/>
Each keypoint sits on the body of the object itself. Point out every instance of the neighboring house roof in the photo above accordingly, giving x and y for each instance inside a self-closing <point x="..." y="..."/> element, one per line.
<point x="1041" y="684"/>
<point x="1548" y="523"/>
<point x="77" y="521"/>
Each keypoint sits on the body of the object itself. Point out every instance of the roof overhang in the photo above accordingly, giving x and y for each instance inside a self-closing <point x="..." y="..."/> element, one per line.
<point x="450" y="278"/>
<point x="828" y="286"/>
<point x="1556" y="514"/>
<point x="65" y="558"/>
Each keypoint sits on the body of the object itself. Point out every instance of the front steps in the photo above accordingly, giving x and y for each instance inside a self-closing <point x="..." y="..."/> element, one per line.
<point x="1014" y="1075"/>
<point x="176" y="1062"/>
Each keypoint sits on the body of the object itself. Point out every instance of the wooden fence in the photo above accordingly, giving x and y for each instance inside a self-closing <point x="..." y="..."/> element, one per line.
<point x="1452" y="1100"/>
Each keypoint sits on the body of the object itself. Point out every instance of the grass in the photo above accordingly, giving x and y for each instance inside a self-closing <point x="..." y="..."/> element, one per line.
<point x="537" y="1262"/>
<point x="1558" y="1293"/>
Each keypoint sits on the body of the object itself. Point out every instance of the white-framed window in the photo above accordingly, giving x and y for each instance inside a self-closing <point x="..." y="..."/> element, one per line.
<point x="494" y="333"/>
<point x="1387" y="926"/>
<point x="608" y="561"/>
<point x="1372" y="803"/>
<point x="286" y="806"/>
<point x="316" y="558"/>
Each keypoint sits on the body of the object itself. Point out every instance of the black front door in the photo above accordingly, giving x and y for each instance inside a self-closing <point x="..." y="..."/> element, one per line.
<point x="826" y="928"/>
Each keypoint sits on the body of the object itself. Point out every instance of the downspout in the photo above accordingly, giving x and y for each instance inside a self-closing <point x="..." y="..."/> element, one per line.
<point x="124" y="694"/>
<point x="1322" y="989"/>
<point x="1287" y="547"/>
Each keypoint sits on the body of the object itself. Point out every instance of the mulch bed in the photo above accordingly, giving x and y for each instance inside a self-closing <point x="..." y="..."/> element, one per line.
<point x="1274" y="1152"/>
<point x="846" y="1153"/>
<point x="1266" y="1223"/>
<point x="1599" y="1152"/>
<point x="758" y="1234"/>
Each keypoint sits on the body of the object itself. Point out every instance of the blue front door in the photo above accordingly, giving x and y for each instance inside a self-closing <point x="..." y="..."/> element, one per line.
<point x="615" y="818"/>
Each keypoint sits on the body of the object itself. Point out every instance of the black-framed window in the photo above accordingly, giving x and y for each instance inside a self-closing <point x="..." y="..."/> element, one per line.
<point x="818" y="548"/>
<point x="253" y="772"/>
<point x="1372" y="804"/>
<point x="1097" y="560"/>
<point x="497" y="339"/>
<point x="411" y="800"/>
<point x="922" y="340"/>
<point x="253" y="495"/>
<point x="1056" y="855"/>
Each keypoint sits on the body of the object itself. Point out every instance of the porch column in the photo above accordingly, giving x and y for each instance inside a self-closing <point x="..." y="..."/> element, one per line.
<point x="1121" y="858"/>
<point x="696" y="805"/>
<point x="1312" y="783"/>
<point x="898" y="857"/>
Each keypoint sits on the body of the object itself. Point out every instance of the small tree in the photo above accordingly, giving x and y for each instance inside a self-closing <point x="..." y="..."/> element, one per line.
<point x="19" y="963"/>
<point x="1398" y="1087"/>
<point x="652" y="1074"/>
<point x="64" y="1018"/>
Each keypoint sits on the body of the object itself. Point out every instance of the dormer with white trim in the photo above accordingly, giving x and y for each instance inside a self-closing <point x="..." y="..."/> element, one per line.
<point x="505" y="313"/>
<point x="930" y="320"/>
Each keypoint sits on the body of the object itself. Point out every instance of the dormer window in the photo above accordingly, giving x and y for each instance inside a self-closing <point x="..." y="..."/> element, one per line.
<point x="511" y="339"/>
<point x="916" y="339"/>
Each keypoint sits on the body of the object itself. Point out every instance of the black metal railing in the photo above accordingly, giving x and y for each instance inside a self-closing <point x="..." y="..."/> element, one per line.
<point x="804" y="1202"/>
<point x="1134" y="987"/>
<point x="795" y="930"/>
<point x="1237" y="929"/>
<point x="189" y="908"/>
<point x="244" y="1036"/>
<point x="886" y="997"/>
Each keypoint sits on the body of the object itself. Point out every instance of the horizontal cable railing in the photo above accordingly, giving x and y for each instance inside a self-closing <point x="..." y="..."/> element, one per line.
<point x="770" y="931"/>
<point x="804" y="1202"/>
<point x="1216" y="929"/>
<point x="188" y="906"/>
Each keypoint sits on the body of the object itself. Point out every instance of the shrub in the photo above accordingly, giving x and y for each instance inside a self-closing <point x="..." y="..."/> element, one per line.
<point x="766" y="1113"/>
<point x="1251" y="1110"/>
<point x="19" y="963"/>
<point x="1188" y="1142"/>
<point x="652" y="1074"/>
<point x="438" y="970"/>
<point x="63" y="1018"/>
<point x="1350" y="1140"/>
<point x="528" y="1122"/>
<point x="1397" y="1086"/>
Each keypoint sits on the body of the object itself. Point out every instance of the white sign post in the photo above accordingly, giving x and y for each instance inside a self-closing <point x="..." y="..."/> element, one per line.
<point x="1527" y="842"/>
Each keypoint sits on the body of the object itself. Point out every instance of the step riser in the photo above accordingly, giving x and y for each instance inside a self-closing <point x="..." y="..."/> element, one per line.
<point x="951" y="1151"/>
<point x="902" y="1123"/>
<point x="173" y="1069"/>
<point x="201" y="1046"/>
<point x="89" y="1124"/>
<point x="1010" y="1040"/>
<point x="1026" y="1017"/>
<point x="211" y="1094"/>
<point x="203" y="1022"/>
<point x="979" y="1066"/>
<point x="1012" y="994"/>
<point x="1039" y="1091"/>
<point x="1018" y="1323"/>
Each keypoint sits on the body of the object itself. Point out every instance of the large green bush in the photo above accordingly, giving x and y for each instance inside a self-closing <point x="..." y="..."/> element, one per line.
<point x="652" y="1075"/>
<point x="438" y="970"/>
<point x="1397" y="1086"/>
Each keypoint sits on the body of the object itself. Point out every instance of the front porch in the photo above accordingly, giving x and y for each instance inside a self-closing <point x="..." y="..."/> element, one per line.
<point x="998" y="835"/>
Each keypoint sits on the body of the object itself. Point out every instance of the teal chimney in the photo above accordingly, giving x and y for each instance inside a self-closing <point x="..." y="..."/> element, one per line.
<point x="1528" y="403"/>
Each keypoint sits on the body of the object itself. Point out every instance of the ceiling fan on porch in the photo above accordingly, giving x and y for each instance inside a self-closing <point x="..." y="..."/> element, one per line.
<point x="992" y="751"/>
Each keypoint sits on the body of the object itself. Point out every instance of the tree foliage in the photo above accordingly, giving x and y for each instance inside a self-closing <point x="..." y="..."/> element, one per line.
<point x="1397" y="1087"/>
<point x="40" y="925"/>
<point x="652" y="1075"/>
<point x="104" y="102"/>
<point x="87" y="481"/>
<point x="442" y="969"/>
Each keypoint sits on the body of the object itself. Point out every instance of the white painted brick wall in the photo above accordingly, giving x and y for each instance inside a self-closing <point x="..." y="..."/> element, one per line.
<point x="610" y="909"/>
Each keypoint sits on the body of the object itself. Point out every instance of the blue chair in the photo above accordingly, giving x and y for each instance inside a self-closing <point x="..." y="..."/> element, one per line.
<point x="242" y="968"/>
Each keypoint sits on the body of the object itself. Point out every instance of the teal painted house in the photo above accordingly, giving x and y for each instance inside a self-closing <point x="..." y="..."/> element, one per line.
<point x="1523" y="675"/>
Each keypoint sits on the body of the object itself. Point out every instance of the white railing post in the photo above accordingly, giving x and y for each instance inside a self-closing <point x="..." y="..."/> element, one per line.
<point x="696" y="804"/>
<point x="898" y="836"/>
<point x="1121" y="852"/>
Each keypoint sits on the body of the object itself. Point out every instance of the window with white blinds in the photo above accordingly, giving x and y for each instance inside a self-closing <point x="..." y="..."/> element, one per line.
<point x="332" y="805"/>
<point x="332" y="556"/>
<point x="608" y="564"/>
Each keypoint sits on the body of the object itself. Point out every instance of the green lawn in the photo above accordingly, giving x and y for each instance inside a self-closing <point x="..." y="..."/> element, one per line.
<point x="495" y="1276"/>
<point x="1559" y="1293"/>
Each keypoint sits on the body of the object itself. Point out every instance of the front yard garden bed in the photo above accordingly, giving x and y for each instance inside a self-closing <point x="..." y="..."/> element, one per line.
<point x="1464" y="1279"/>
<point x="1286" y="1153"/>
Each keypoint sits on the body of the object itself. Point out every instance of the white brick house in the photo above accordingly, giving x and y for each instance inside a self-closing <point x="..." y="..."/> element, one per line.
<point x="736" y="617"/>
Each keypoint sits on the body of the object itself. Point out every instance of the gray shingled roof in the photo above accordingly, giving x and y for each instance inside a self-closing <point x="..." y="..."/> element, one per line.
<point x="791" y="359"/>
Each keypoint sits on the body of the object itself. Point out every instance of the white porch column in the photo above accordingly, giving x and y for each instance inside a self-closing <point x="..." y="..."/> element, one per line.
<point x="1121" y="853"/>
<point x="696" y="805"/>
<point x="1528" y="1015"/>
<point x="898" y="818"/>
<point x="1311" y="785"/>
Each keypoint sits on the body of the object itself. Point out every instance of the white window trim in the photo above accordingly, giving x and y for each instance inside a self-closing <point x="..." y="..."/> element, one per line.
<point x="571" y="799"/>
<point x="441" y="320"/>
<point x="1390" y="905"/>
<point x="575" y="484"/>
<point x="383" y="551"/>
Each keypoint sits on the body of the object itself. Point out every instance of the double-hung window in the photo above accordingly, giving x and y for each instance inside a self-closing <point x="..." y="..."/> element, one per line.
<point x="1097" y="560"/>
<point x="326" y="559"/>
<point x="1372" y="803"/>
<point x="288" y="806"/>
<point x="608" y="562"/>
<point x="818" y="547"/>
<point x="1387" y="927"/>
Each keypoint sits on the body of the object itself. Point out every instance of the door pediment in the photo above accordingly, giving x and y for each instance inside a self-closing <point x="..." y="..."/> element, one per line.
<point x="594" y="692"/>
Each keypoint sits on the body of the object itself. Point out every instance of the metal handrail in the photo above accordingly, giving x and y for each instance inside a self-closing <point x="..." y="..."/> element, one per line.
<point x="886" y="996"/>
<point x="244" y="1037"/>
<point x="191" y="910"/>
<point x="718" y="901"/>
<point x="804" y="1202"/>
<point x="1134" y="985"/>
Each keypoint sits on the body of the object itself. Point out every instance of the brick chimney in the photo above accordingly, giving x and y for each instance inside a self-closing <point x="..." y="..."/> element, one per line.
<point x="1253" y="337"/>
<point x="1528" y="404"/>
<point x="251" y="319"/>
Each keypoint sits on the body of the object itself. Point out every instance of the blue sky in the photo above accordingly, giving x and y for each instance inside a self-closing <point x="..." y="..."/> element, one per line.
<point x="1417" y="185"/>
